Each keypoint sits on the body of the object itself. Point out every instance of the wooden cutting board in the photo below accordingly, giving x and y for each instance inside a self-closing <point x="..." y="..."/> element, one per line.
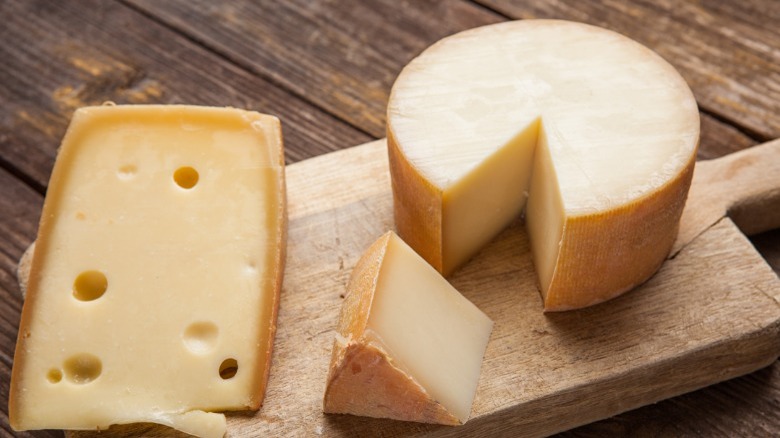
<point x="712" y="312"/>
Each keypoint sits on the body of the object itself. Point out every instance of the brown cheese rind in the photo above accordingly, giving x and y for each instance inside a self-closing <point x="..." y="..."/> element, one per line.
<point x="365" y="382"/>
<point x="362" y="379"/>
<point x="278" y="221"/>
<point x="417" y="207"/>
<point x="605" y="255"/>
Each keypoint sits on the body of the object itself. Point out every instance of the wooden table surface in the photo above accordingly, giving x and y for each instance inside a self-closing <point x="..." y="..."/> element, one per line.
<point x="326" y="68"/>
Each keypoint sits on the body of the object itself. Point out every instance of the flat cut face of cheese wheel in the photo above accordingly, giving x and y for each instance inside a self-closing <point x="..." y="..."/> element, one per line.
<point x="619" y="121"/>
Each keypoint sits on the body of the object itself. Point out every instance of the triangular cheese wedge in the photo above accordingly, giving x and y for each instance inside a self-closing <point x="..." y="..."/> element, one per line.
<point x="409" y="346"/>
<point x="597" y="132"/>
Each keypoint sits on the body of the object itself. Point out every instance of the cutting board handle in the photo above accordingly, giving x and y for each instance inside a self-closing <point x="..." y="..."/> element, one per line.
<point x="744" y="186"/>
<point x="751" y="183"/>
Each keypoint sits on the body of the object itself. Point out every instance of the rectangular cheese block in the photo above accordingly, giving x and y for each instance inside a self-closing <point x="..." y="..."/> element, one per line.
<point x="155" y="282"/>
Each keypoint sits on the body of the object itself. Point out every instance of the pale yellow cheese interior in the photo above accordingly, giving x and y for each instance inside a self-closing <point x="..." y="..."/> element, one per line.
<point x="612" y="120"/>
<point x="545" y="214"/>
<point x="481" y="203"/>
<point x="180" y="210"/>
<point x="429" y="330"/>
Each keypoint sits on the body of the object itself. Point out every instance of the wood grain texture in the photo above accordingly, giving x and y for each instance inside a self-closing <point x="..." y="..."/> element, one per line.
<point x="712" y="313"/>
<point x="59" y="56"/>
<point x="744" y="185"/>
<point x="347" y="55"/>
<point x="343" y="56"/>
<point x="744" y="407"/>
<point x="728" y="54"/>
<point x="718" y="139"/>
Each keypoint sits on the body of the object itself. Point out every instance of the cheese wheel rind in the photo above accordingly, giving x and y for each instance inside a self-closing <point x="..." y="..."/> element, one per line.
<point x="607" y="254"/>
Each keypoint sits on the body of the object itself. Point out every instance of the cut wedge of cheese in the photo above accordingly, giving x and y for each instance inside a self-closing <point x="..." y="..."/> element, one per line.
<point x="597" y="132"/>
<point x="409" y="346"/>
<point x="155" y="282"/>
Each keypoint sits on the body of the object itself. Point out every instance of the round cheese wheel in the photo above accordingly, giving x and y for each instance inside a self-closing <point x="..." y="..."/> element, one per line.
<point x="593" y="135"/>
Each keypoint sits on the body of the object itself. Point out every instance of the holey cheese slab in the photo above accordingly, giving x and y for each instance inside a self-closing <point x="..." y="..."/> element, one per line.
<point x="155" y="286"/>
<point x="711" y="313"/>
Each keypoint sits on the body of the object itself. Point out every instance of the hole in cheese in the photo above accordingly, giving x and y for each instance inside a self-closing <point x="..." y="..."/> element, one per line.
<point x="82" y="368"/>
<point x="200" y="337"/>
<point x="90" y="285"/>
<point x="228" y="368"/>
<point x="186" y="177"/>
<point x="127" y="172"/>
<point x="54" y="375"/>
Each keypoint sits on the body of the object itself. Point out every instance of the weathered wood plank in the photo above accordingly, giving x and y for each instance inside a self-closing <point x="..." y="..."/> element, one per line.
<point x="755" y="13"/>
<point x="344" y="56"/>
<point x="57" y="56"/>
<point x="745" y="406"/>
<point x="742" y="185"/>
<point x="732" y="63"/>
<point x="20" y="208"/>
<point x="719" y="139"/>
